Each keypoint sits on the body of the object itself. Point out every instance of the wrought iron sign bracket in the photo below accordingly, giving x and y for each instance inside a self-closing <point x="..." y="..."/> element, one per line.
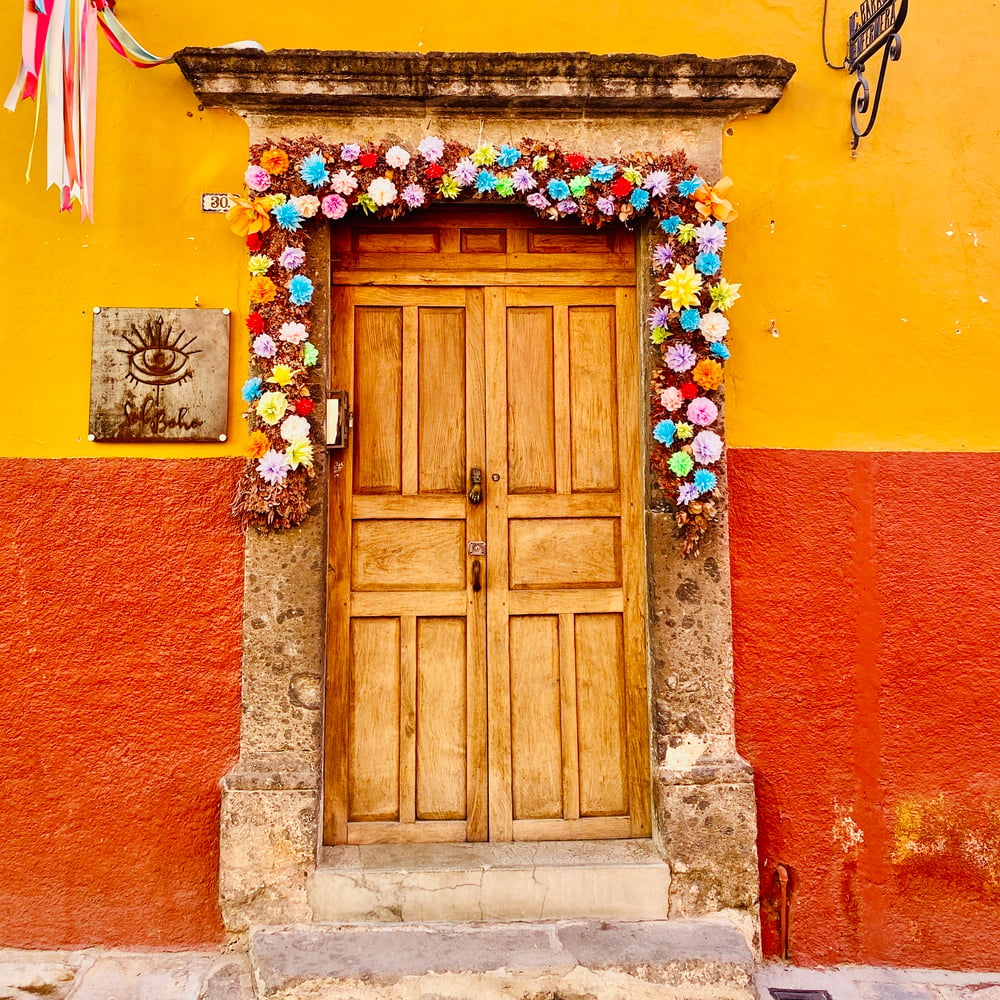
<point x="872" y="29"/>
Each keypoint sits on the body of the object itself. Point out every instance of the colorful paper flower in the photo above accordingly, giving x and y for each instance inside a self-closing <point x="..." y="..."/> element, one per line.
<point x="434" y="171"/>
<point x="671" y="399"/>
<point x="558" y="189"/>
<point x="257" y="178"/>
<point x="307" y="204"/>
<point x="680" y="357"/>
<point x="706" y="447"/>
<point x="350" y="152"/>
<point x="304" y="406"/>
<point x="605" y="206"/>
<point x="299" y="452"/>
<point x="309" y="354"/>
<point x="708" y="374"/>
<point x="689" y="319"/>
<point x="702" y="411"/>
<point x="663" y="254"/>
<point x="523" y="181"/>
<point x="720" y="351"/>
<point x="264" y="346"/>
<point x="540" y="163"/>
<point x="300" y="290"/>
<point x="293" y="333"/>
<point x="255" y="323"/>
<point x="705" y="480"/>
<point x="689" y="390"/>
<point x="680" y="463"/>
<point x="687" y="492"/>
<point x="671" y="225"/>
<point x="714" y="326"/>
<point x="485" y="182"/>
<point x="621" y="188"/>
<point x="707" y="263"/>
<point x="259" y="264"/>
<point x="382" y="191"/>
<point x="686" y="233"/>
<point x="343" y="182"/>
<point x="684" y="431"/>
<point x="660" y="316"/>
<point x="603" y="172"/>
<point x="712" y="204"/>
<point x="505" y="187"/>
<point x="274" y="161"/>
<point x="257" y="445"/>
<point x="292" y="258"/>
<point x="273" y="467"/>
<point x="538" y="200"/>
<point x="578" y="185"/>
<point x="686" y="188"/>
<point x="365" y="203"/>
<point x="657" y="183"/>
<point x="711" y="237"/>
<point x="449" y="187"/>
<point x="664" y="432"/>
<point x="682" y="287"/>
<point x="633" y="175"/>
<point x="508" y="156"/>
<point x="271" y="407"/>
<point x="724" y="294"/>
<point x="639" y="199"/>
<point x="281" y="375"/>
<point x="248" y="217"/>
<point x="465" y="171"/>
<point x="313" y="170"/>
<point x="413" y="195"/>
<point x="368" y="160"/>
<point x="334" y="207"/>
<point x="575" y="161"/>
<point x="262" y="289"/>
<point x="485" y="156"/>
<point x="294" y="427"/>
<point x="431" y="148"/>
<point x="397" y="157"/>
<point x="568" y="207"/>
<point x="252" y="388"/>
<point x="288" y="216"/>
<point x="254" y="241"/>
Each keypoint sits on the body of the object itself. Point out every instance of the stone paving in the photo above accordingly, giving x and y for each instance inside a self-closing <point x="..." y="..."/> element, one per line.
<point x="100" y="974"/>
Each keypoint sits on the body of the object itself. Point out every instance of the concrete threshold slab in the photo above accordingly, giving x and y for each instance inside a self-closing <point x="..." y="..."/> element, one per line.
<point x="568" y="960"/>
<point x="612" y="879"/>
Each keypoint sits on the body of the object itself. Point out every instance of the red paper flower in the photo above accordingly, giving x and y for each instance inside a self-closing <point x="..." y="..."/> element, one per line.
<point x="368" y="160"/>
<point x="621" y="188"/>
<point x="303" y="407"/>
<point x="434" y="171"/>
<point x="575" y="161"/>
<point x="254" y="242"/>
<point x="255" y="323"/>
<point x="689" y="390"/>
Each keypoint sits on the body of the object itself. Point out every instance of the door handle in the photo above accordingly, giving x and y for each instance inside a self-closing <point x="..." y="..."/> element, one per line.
<point x="477" y="576"/>
<point x="476" y="486"/>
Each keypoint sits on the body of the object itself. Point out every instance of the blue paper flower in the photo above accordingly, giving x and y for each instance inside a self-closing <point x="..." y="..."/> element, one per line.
<point x="688" y="187"/>
<point x="664" y="432"/>
<point x="485" y="181"/>
<point x="313" y="170"/>
<point x="707" y="263"/>
<point x="300" y="290"/>
<point x="639" y="199"/>
<point x="720" y="351"/>
<point x="690" y="318"/>
<point x="558" y="190"/>
<point x="508" y="156"/>
<point x="252" y="389"/>
<point x="704" y="481"/>
<point x="287" y="216"/>
<point x="671" y="225"/>
<point x="602" y="172"/>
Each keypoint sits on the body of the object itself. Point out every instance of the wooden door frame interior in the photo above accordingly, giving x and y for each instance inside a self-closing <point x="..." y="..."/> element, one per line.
<point x="704" y="819"/>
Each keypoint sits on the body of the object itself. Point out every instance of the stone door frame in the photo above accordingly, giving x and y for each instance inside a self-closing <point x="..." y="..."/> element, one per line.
<point x="704" y="818"/>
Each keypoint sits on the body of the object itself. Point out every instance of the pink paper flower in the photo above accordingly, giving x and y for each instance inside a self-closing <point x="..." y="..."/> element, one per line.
<point x="702" y="411"/>
<point x="293" y="333"/>
<point x="343" y="182"/>
<point x="257" y="178"/>
<point x="334" y="207"/>
<point x="706" y="447"/>
<point x="714" y="327"/>
<point x="292" y="257"/>
<point x="671" y="399"/>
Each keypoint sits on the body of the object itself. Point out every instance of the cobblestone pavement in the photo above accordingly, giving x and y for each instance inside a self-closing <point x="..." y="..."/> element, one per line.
<point x="99" y="974"/>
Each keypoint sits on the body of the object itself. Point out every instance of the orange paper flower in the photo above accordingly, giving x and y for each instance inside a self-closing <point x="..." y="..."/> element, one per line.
<point x="274" y="161"/>
<point x="711" y="204"/>
<point x="262" y="289"/>
<point x="258" y="445"/>
<point x="246" y="216"/>
<point x="708" y="374"/>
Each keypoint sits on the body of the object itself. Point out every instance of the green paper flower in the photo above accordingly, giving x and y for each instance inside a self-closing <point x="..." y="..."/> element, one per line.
<point x="309" y="354"/>
<point x="681" y="463"/>
<point x="684" y="432"/>
<point x="504" y="187"/>
<point x="578" y="185"/>
<point x="448" y="188"/>
<point x="366" y="203"/>
<point x="686" y="233"/>
<point x="659" y="334"/>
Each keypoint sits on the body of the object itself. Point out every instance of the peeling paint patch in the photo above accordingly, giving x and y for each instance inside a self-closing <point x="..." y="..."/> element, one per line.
<point x="846" y="832"/>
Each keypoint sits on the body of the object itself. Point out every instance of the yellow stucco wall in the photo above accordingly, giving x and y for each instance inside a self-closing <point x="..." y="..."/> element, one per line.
<point x="879" y="272"/>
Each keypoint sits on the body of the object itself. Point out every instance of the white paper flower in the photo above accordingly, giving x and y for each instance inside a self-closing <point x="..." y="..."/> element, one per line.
<point x="714" y="326"/>
<point x="382" y="191"/>
<point x="397" y="157"/>
<point x="294" y="428"/>
<point x="307" y="204"/>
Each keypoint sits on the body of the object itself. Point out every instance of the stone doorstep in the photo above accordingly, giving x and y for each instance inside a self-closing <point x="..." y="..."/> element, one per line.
<point x="558" y="960"/>
<point x="612" y="879"/>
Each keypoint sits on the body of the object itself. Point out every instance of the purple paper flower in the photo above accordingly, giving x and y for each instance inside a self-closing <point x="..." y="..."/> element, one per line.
<point x="273" y="467"/>
<point x="658" y="317"/>
<point x="706" y="447"/>
<point x="431" y="148"/>
<point x="350" y="152"/>
<point x="292" y="257"/>
<point x="657" y="183"/>
<point x="522" y="180"/>
<point x="413" y="195"/>
<point x="686" y="493"/>
<point x="465" y="171"/>
<point x="662" y="255"/>
<point x="680" y="357"/>
<point x="711" y="237"/>
<point x="538" y="200"/>
<point x="264" y="346"/>
<point x="606" y="206"/>
<point x="568" y="207"/>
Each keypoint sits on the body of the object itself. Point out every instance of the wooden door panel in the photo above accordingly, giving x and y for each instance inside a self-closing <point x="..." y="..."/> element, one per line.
<point x="378" y="393"/>
<point x="441" y="386"/>
<point x="554" y="552"/>
<point x="414" y="554"/>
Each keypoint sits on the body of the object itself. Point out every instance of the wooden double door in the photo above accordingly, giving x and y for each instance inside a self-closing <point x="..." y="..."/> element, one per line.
<point x="486" y="651"/>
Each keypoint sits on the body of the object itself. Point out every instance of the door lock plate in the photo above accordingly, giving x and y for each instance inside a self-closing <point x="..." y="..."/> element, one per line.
<point x="476" y="548"/>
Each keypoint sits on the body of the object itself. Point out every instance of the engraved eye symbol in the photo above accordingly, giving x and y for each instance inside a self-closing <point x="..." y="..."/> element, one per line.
<point x="158" y="354"/>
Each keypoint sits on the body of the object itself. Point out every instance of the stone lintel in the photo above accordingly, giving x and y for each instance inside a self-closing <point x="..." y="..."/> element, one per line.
<point x="557" y="84"/>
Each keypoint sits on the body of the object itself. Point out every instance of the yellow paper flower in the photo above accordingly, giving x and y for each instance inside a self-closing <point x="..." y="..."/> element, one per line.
<point x="632" y="176"/>
<point x="259" y="264"/>
<point x="448" y="188"/>
<point x="246" y="216"/>
<point x="484" y="156"/>
<point x="257" y="446"/>
<point x="300" y="452"/>
<point x="540" y="163"/>
<point x="274" y="161"/>
<point x="271" y="407"/>
<point x="281" y="375"/>
<point x="681" y="287"/>
<point x="724" y="294"/>
<point x="262" y="289"/>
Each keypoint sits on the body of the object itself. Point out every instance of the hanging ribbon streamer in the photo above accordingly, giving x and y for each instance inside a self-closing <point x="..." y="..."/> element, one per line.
<point x="59" y="43"/>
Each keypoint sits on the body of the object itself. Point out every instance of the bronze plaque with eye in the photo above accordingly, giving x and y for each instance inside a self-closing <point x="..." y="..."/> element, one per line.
<point x="159" y="375"/>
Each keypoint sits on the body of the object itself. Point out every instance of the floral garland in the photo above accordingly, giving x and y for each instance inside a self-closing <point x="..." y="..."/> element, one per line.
<point x="293" y="182"/>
